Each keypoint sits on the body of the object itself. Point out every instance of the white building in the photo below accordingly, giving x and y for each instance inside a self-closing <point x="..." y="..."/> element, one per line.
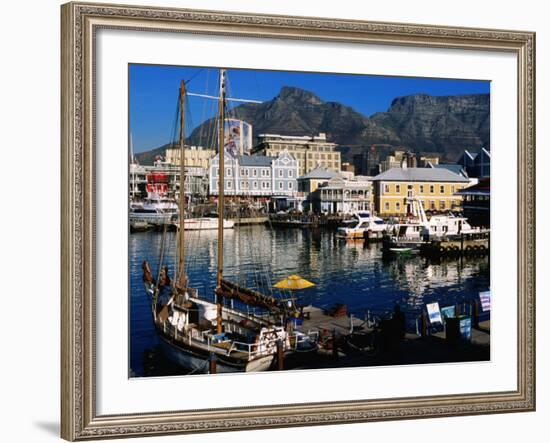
<point x="343" y="196"/>
<point x="256" y="175"/>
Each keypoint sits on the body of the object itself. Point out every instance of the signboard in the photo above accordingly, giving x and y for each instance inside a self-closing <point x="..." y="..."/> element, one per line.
<point x="485" y="298"/>
<point x="465" y="326"/>
<point x="448" y="311"/>
<point x="433" y="313"/>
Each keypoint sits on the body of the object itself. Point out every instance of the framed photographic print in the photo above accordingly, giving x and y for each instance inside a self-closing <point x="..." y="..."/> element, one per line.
<point x="281" y="221"/>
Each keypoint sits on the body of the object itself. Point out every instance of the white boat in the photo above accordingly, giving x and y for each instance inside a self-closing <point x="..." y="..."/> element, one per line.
<point x="196" y="224"/>
<point x="153" y="211"/>
<point x="423" y="228"/>
<point x="362" y="222"/>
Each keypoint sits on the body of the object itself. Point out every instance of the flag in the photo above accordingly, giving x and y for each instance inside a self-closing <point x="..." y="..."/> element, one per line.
<point x="232" y="138"/>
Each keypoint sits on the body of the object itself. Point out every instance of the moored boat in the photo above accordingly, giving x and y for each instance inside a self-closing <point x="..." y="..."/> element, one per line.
<point x="362" y="223"/>
<point x="204" y="223"/>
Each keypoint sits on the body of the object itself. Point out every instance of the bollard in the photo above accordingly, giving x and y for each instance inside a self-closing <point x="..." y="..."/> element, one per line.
<point x="280" y="356"/>
<point x="424" y="325"/>
<point x="212" y="364"/>
<point x="476" y="314"/>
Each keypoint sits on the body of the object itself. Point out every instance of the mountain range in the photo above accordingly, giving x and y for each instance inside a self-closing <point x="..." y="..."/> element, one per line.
<point x="421" y="123"/>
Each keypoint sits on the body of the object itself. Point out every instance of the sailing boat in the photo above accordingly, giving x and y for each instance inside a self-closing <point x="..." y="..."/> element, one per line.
<point x="194" y="330"/>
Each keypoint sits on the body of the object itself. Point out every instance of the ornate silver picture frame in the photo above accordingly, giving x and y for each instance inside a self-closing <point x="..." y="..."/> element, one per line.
<point x="80" y="23"/>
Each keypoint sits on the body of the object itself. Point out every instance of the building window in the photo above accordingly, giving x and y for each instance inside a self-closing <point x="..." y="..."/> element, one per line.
<point x="280" y="185"/>
<point x="255" y="172"/>
<point x="397" y="189"/>
<point x="442" y="204"/>
<point x="290" y="173"/>
<point x="387" y="206"/>
<point x="386" y="189"/>
<point x="397" y="206"/>
<point x="255" y="184"/>
<point x="229" y="172"/>
<point x="289" y="185"/>
<point x="246" y="172"/>
<point x="280" y="172"/>
<point x="432" y="205"/>
<point x="422" y="189"/>
<point x="228" y="185"/>
<point x="432" y="189"/>
<point x="442" y="189"/>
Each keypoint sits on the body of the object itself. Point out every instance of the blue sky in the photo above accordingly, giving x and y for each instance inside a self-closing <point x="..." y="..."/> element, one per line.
<point x="153" y="92"/>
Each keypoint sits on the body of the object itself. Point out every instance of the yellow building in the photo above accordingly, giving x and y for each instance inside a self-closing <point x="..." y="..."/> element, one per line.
<point x="311" y="152"/>
<point x="194" y="156"/>
<point x="435" y="187"/>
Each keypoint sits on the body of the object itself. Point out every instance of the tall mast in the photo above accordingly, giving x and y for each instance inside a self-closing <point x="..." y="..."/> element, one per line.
<point x="182" y="279"/>
<point x="132" y="191"/>
<point x="221" y="170"/>
<point x="221" y="212"/>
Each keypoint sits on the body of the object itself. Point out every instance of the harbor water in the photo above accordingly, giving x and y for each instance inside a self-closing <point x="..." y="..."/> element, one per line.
<point x="350" y="272"/>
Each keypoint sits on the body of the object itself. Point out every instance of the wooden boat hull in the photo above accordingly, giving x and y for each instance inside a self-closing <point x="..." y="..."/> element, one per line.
<point x="197" y="361"/>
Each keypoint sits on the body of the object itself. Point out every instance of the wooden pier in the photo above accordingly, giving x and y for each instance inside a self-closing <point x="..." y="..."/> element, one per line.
<point x="411" y="348"/>
<point x="472" y="244"/>
<point x="306" y="220"/>
<point x="465" y="244"/>
<point x="250" y="221"/>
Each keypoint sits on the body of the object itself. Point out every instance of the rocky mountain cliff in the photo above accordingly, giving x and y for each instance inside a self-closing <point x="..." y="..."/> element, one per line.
<point x="421" y="123"/>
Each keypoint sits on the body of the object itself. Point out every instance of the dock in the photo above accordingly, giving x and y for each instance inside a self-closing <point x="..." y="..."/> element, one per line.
<point x="471" y="244"/>
<point x="242" y="221"/>
<point x="318" y="320"/>
<point x="306" y="220"/>
<point x="465" y="244"/>
<point x="410" y="349"/>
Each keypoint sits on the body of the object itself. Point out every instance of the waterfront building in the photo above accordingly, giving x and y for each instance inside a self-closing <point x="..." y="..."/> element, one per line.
<point x="311" y="152"/>
<point x="435" y="187"/>
<point x="309" y="182"/>
<point x="256" y="175"/>
<point x="137" y="181"/>
<point x="194" y="156"/>
<point x="477" y="203"/>
<point x="476" y="164"/>
<point x="338" y="195"/>
<point x="163" y="179"/>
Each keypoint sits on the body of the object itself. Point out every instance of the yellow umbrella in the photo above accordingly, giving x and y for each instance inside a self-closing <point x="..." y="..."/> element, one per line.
<point x="293" y="282"/>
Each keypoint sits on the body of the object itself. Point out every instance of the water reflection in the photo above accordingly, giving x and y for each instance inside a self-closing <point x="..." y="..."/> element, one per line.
<point x="347" y="272"/>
